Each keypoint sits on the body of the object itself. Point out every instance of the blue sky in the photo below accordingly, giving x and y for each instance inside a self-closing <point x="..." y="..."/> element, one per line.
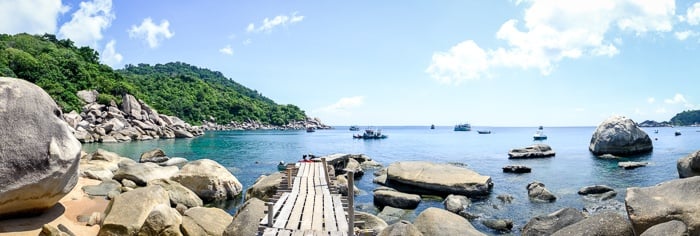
<point x="491" y="63"/>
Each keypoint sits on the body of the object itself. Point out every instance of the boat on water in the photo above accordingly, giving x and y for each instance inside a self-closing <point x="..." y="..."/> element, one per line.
<point x="371" y="134"/>
<point x="678" y="132"/>
<point x="483" y="131"/>
<point x="656" y="131"/>
<point x="463" y="127"/>
<point x="539" y="134"/>
<point x="310" y="129"/>
<point x="354" y="128"/>
<point x="432" y="126"/>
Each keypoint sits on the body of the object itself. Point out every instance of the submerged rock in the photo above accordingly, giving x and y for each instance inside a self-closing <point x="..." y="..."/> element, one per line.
<point x="548" y="224"/>
<point x="435" y="178"/>
<point x="517" y="169"/>
<point x="537" y="191"/>
<point x="39" y="155"/>
<point x="595" y="189"/>
<point x="534" y="151"/>
<point x="631" y="164"/>
<point x="620" y="136"/>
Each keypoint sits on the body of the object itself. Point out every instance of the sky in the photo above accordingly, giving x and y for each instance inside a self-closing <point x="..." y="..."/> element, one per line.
<point x="489" y="63"/>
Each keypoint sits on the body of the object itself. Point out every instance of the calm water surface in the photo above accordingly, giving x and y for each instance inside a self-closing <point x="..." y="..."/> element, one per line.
<point x="248" y="154"/>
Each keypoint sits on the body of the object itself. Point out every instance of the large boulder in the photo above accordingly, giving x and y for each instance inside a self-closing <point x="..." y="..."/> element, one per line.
<point x="265" y="187"/>
<point x="88" y="96"/>
<point x="205" y="221"/>
<point x="456" y="203"/>
<point x="131" y="106"/>
<point x="671" y="228"/>
<point x="39" y="155"/>
<point x="437" y="179"/>
<point x="392" y="215"/>
<point x="372" y="222"/>
<point x="209" y="180"/>
<point x="128" y="211"/>
<point x="672" y="200"/>
<point x="156" y="155"/>
<point x="163" y="220"/>
<point x="604" y="224"/>
<point x="178" y="194"/>
<point x="436" y="221"/>
<point x="384" y="197"/>
<point x="141" y="173"/>
<point x="689" y="165"/>
<point x="247" y="218"/>
<point x="534" y="151"/>
<point x="402" y="228"/>
<point x="548" y="224"/>
<point x="536" y="191"/>
<point x="619" y="135"/>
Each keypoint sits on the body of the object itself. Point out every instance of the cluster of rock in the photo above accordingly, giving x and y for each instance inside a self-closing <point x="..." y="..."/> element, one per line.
<point x="155" y="196"/>
<point x="134" y="121"/>
<point x="309" y="122"/>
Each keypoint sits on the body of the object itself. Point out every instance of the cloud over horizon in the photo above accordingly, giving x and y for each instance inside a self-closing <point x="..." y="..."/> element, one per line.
<point x="227" y="50"/>
<point x="153" y="34"/>
<point x="342" y="107"/>
<point x="88" y="22"/>
<point x="269" y="24"/>
<point x="552" y="31"/>
<point x="30" y="16"/>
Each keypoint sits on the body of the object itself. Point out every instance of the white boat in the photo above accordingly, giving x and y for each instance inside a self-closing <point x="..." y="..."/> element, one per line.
<point x="463" y="127"/>
<point x="539" y="134"/>
<point x="678" y="132"/>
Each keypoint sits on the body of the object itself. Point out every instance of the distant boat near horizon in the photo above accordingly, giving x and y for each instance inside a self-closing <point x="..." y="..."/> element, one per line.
<point x="371" y="134"/>
<point x="354" y="128"/>
<point x="677" y="133"/>
<point x="539" y="134"/>
<point x="310" y="129"/>
<point x="463" y="127"/>
<point x="483" y="131"/>
<point x="432" y="126"/>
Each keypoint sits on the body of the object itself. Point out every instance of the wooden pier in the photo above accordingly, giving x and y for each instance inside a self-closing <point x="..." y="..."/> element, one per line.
<point x="308" y="203"/>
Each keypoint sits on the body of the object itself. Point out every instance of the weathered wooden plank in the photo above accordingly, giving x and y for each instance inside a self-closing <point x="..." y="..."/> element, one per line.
<point x="307" y="214"/>
<point x="318" y="209"/>
<point x="278" y="204"/>
<point x="340" y="214"/>
<point x="270" y="232"/>
<point x="297" y="209"/>
<point x="338" y="233"/>
<point x="329" y="214"/>
<point x="283" y="216"/>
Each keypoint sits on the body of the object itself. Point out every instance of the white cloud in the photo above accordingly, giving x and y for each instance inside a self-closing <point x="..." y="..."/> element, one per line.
<point x="552" y="31"/>
<point x="693" y="14"/>
<point x="152" y="33"/>
<point x="342" y="106"/>
<point x="247" y="42"/>
<point x="226" y="50"/>
<point x="677" y="99"/>
<point x="30" y="16"/>
<point x="651" y="100"/>
<point x="109" y="55"/>
<point x="683" y="35"/>
<point x="88" y="22"/>
<point x="661" y="110"/>
<point x="269" y="24"/>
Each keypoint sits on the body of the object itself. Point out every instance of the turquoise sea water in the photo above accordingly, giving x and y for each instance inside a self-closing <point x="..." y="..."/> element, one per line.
<point x="248" y="154"/>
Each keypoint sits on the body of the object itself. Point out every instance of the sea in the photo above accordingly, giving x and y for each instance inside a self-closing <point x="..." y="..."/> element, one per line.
<point x="249" y="154"/>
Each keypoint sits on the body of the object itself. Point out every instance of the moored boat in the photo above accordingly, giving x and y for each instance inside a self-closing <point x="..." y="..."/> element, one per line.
<point x="483" y="131"/>
<point x="463" y="127"/>
<point x="539" y="135"/>
<point x="432" y="126"/>
<point x="678" y="132"/>
<point x="310" y="129"/>
<point x="354" y="128"/>
<point x="371" y="134"/>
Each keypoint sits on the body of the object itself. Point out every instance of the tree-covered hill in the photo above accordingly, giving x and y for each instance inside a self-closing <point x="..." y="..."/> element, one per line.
<point x="686" y="118"/>
<point x="191" y="93"/>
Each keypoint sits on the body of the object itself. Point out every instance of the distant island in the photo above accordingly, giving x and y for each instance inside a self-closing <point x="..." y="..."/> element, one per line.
<point x="685" y="118"/>
<point x="196" y="95"/>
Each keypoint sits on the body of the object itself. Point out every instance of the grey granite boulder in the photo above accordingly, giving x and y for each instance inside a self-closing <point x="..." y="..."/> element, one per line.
<point x="537" y="191"/>
<point x="396" y="199"/>
<point x="620" y="136"/>
<point x="436" y="221"/>
<point x="103" y="188"/>
<point x="434" y="178"/>
<point x="372" y="222"/>
<point x="534" y="151"/>
<point x="131" y="107"/>
<point x="671" y="228"/>
<point x="265" y="187"/>
<point x="402" y="228"/>
<point x="672" y="200"/>
<point x="518" y="169"/>
<point x="247" y="218"/>
<point x="141" y="173"/>
<point x="595" y="189"/>
<point x="128" y="211"/>
<point x="689" y="165"/>
<point x="88" y="96"/>
<point x="604" y="224"/>
<point x="205" y="221"/>
<point x="392" y="215"/>
<point x="163" y="220"/>
<point x="39" y="155"/>
<point x="209" y="180"/>
<point x="502" y="225"/>
<point x="177" y="193"/>
<point x="548" y="224"/>
<point x="156" y="155"/>
<point x="456" y="203"/>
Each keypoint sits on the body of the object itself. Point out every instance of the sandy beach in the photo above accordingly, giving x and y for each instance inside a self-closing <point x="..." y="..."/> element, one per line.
<point x="65" y="212"/>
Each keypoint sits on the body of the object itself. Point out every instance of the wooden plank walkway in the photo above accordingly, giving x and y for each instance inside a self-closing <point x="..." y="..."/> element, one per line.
<point x="306" y="204"/>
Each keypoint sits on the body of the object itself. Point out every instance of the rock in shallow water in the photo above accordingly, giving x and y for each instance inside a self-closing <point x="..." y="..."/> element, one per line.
<point x="537" y="191"/>
<point x="548" y="224"/>
<point x="433" y="178"/>
<point x="517" y="169"/>
<point x="620" y="136"/>
<point x="534" y="151"/>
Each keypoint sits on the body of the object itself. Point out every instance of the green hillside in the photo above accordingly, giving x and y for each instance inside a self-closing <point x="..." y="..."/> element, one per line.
<point x="191" y="93"/>
<point x="686" y="118"/>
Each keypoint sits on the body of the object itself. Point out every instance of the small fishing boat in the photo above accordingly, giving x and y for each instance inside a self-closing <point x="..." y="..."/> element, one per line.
<point x="310" y="129"/>
<point x="483" y="131"/>
<point x="656" y="131"/>
<point x="371" y="134"/>
<point x="281" y="166"/>
<point x="432" y="126"/>
<point x="678" y="132"/>
<point x="539" y="135"/>
<point x="463" y="127"/>
<point x="354" y="128"/>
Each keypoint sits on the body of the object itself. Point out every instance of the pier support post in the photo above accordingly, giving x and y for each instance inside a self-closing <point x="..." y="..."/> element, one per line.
<point x="351" y="203"/>
<point x="325" y="167"/>
<point x="270" y="214"/>
<point x="289" y="178"/>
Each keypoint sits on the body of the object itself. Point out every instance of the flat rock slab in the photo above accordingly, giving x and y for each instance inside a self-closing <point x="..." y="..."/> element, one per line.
<point x="631" y="164"/>
<point x="518" y="169"/>
<point x="534" y="151"/>
<point x="439" y="178"/>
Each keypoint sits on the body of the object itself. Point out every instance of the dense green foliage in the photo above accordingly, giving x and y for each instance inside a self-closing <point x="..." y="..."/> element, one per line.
<point x="686" y="118"/>
<point x="179" y="89"/>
